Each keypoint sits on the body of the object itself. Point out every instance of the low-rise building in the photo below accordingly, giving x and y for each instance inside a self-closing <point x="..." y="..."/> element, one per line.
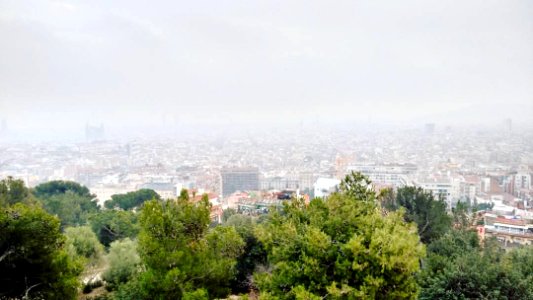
<point x="396" y="175"/>
<point x="324" y="187"/>
<point x="166" y="190"/>
<point x="510" y="231"/>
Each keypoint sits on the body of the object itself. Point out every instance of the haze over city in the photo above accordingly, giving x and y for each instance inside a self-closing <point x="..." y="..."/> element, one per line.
<point x="203" y="64"/>
<point x="265" y="150"/>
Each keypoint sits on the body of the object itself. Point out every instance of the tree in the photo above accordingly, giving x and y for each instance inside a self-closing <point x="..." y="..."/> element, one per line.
<point x="483" y="206"/>
<point x="33" y="260"/>
<point x="124" y="262"/>
<point x="132" y="199"/>
<point x="460" y="215"/>
<point x="68" y="200"/>
<point x="340" y="248"/>
<point x="183" y="258"/>
<point x="71" y="208"/>
<point x="253" y="255"/>
<point x="458" y="267"/>
<point x="13" y="191"/>
<point x="85" y="244"/>
<point x="82" y="245"/>
<point x="227" y="213"/>
<point x="112" y="225"/>
<point x="60" y="187"/>
<point x="422" y="208"/>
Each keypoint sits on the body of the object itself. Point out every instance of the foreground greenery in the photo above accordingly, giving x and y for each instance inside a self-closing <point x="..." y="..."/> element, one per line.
<point x="356" y="244"/>
<point x="33" y="258"/>
<point x="459" y="267"/>
<point x="342" y="248"/>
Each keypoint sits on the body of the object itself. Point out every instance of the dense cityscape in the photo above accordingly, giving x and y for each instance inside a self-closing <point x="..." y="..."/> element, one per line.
<point x="266" y="150"/>
<point x="475" y="166"/>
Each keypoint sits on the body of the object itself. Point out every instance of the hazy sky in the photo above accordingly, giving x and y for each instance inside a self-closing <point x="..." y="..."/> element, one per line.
<point x="127" y="62"/>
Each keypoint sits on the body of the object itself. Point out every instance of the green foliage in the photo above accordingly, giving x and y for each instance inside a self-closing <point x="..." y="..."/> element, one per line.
<point x="13" y="191"/>
<point x="124" y="262"/>
<point x="422" y="208"/>
<point x="341" y="248"/>
<point x="356" y="185"/>
<point x="199" y="294"/>
<point x="253" y="255"/>
<point x="84" y="242"/>
<point x="112" y="225"/>
<point x="131" y="290"/>
<point x="457" y="267"/>
<point x="461" y="215"/>
<point x="71" y="208"/>
<point x="354" y="245"/>
<point x="70" y="201"/>
<point x="33" y="261"/>
<point x="181" y="255"/>
<point x="227" y="213"/>
<point x="83" y="246"/>
<point x="131" y="200"/>
<point x="483" y="206"/>
<point x="60" y="187"/>
<point x="520" y="260"/>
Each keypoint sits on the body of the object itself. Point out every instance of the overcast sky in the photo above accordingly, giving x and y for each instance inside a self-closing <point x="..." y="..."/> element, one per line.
<point x="127" y="62"/>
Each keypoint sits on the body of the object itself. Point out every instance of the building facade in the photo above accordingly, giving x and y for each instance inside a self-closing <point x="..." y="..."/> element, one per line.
<point x="239" y="179"/>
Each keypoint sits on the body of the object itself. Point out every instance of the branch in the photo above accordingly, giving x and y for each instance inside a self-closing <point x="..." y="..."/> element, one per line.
<point x="28" y="290"/>
<point x="8" y="252"/>
<point x="110" y="231"/>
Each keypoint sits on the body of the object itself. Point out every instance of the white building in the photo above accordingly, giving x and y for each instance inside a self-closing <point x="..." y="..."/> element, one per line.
<point x="166" y="190"/>
<point x="278" y="183"/>
<point x="522" y="180"/>
<point x="396" y="175"/>
<point x="324" y="187"/>
<point x="439" y="188"/>
<point x="104" y="192"/>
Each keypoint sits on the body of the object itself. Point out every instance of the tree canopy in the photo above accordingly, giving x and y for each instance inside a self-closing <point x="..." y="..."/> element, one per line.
<point x="60" y="187"/>
<point x="421" y="207"/>
<point x="124" y="262"/>
<point x="458" y="267"/>
<point x="33" y="261"/>
<point x="355" y="244"/>
<point x="84" y="243"/>
<point x="13" y="191"/>
<point x="341" y="248"/>
<point x="182" y="256"/>
<point x="70" y="201"/>
<point x="71" y="208"/>
<point x="132" y="199"/>
<point x="253" y="255"/>
<point x="111" y="225"/>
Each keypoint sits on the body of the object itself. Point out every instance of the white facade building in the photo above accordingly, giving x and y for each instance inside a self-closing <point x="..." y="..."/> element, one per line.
<point x="324" y="187"/>
<point x="522" y="180"/>
<point x="396" y="175"/>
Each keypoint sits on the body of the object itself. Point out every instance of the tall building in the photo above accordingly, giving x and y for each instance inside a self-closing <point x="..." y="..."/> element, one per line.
<point x="306" y="181"/>
<point x="522" y="180"/>
<point x="439" y="187"/>
<point x="239" y="179"/>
